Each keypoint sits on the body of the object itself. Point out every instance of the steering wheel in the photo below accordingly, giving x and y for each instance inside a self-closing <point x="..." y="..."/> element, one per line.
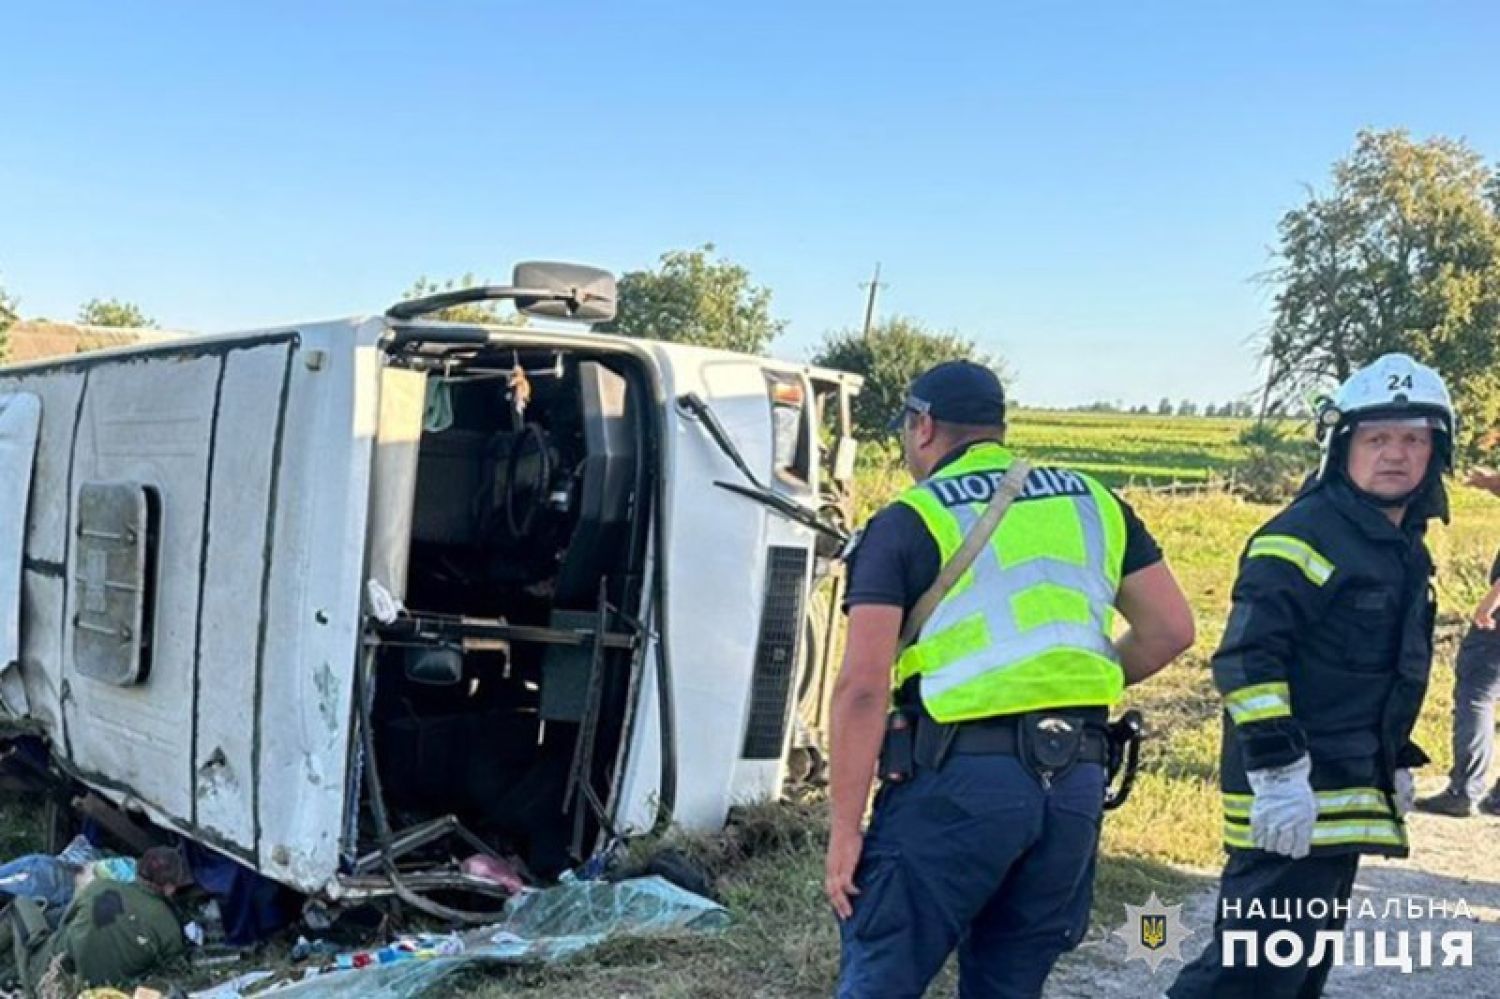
<point x="518" y="517"/>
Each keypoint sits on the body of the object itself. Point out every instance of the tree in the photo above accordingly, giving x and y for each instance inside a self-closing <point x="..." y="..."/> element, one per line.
<point x="1401" y="254"/>
<point x="1187" y="408"/>
<point x="113" y="312"/>
<point x="475" y="313"/>
<point x="896" y="351"/>
<point x="694" y="297"/>
<point x="7" y="319"/>
<point x="1164" y="408"/>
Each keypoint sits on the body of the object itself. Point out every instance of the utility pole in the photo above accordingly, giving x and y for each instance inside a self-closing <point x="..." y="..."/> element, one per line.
<point x="874" y="285"/>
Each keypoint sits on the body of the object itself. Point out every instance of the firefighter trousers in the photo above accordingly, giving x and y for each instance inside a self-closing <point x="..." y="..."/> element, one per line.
<point x="1252" y="881"/>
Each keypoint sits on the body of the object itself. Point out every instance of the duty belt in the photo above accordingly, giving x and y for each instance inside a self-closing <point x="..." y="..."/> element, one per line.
<point x="1000" y="736"/>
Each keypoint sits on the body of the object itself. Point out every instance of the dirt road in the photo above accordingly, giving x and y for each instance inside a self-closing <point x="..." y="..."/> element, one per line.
<point x="1451" y="860"/>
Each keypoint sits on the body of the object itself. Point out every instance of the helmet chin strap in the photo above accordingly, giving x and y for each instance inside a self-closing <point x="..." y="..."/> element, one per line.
<point x="1385" y="502"/>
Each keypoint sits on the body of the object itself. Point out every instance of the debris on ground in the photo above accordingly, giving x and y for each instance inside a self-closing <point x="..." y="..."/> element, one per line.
<point x="540" y="926"/>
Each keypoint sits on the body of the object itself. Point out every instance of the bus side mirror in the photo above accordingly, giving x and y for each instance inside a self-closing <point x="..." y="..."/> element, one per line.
<point x="583" y="294"/>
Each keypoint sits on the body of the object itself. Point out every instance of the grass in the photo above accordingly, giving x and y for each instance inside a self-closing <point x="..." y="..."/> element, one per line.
<point x="1131" y="450"/>
<point x="783" y="942"/>
<point x="1119" y="450"/>
<point x="20" y="824"/>
<point x="768" y="865"/>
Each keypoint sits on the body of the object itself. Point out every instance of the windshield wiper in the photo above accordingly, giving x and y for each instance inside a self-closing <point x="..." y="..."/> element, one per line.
<point x="693" y="405"/>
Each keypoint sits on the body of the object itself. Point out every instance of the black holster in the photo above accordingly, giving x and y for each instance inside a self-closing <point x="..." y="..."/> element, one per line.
<point x="898" y="748"/>
<point x="1124" y="757"/>
<point x="1050" y="744"/>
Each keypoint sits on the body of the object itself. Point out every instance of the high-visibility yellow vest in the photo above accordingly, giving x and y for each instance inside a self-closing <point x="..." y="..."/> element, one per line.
<point x="1028" y="626"/>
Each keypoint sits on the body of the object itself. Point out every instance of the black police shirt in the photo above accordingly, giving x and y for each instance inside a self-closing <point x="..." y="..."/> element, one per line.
<point x="895" y="560"/>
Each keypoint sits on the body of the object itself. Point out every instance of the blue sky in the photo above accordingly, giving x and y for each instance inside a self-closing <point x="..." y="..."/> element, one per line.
<point x="1087" y="189"/>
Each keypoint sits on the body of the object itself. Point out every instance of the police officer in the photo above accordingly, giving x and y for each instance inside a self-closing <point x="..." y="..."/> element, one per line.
<point x="986" y="843"/>
<point x="1323" y="667"/>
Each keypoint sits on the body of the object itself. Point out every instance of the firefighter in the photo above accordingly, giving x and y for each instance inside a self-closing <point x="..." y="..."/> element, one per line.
<point x="1323" y="667"/>
<point x="985" y="828"/>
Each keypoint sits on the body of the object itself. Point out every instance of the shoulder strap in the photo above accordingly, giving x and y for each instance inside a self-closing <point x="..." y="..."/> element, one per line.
<point x="1010" y="487"/>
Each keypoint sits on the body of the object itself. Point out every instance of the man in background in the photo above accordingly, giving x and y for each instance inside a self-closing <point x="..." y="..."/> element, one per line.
<point x="1476" y="686"/>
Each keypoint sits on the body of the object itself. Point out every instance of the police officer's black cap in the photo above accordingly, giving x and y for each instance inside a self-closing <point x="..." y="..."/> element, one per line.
<point x="956" y="392"/>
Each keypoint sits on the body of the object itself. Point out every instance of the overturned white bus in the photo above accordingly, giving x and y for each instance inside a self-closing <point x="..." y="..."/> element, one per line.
<point x="323" y="596"/>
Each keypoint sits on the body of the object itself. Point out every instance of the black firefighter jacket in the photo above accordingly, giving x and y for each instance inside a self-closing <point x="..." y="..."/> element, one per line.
<point x="1327" y="651"/>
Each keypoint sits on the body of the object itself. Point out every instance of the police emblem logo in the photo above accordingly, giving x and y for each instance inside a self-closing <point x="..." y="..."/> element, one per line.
<point x="1153" y="932"/>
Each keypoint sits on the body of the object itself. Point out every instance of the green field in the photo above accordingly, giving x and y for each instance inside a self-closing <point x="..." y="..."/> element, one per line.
<point x="1120" y="450"/>
<point x="1124" y="450"/>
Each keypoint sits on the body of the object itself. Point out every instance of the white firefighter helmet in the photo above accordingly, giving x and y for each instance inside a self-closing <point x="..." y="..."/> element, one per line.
<point x="1392" y="387"/>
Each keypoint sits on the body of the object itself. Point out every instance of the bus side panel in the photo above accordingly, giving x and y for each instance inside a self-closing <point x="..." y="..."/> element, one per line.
<point x="146" y="422"/>
<point x="222" y="766"/>
<point x="313" y="614"/>
<point x="715" y="575"/>
<point x="42" y="580"/>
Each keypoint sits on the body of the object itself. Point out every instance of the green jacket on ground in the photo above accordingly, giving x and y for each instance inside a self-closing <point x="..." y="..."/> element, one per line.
<point x="113" y="933"/>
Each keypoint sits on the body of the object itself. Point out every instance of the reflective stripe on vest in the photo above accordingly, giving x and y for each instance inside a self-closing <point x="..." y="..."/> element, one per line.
<point x="1028" y="625"/>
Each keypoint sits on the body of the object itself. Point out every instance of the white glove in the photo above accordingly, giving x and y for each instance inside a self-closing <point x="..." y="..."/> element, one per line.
<point x="1405" y="791"/>
<point x="1284" y="810"/>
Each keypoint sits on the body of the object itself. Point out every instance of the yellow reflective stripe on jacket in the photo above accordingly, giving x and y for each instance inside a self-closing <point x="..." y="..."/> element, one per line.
<point x="1346" y="817"/>
<point x="1347" y="832"/>
<point x="1294" y="550"/>
<point x="1259" y="702"/>
<point x="1028" y="625"/>
<point x="1358" y="799"/>
<point x="1238" y="835"/>
<point x="1341" y="802"/>
<point x="1384" y="832"/>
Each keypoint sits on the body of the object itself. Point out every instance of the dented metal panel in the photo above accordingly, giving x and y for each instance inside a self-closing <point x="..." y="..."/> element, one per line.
<point x="44" y="552"/>
<point x="252" y="386"/>
<point x="146" y="422"/>
<point x="312" y="602"/>
<point x="20" y="415"/>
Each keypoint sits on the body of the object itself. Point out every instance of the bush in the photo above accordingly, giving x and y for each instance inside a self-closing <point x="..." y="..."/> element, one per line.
<point x="895" y="352"/>
<point x="1275" y="465"/>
